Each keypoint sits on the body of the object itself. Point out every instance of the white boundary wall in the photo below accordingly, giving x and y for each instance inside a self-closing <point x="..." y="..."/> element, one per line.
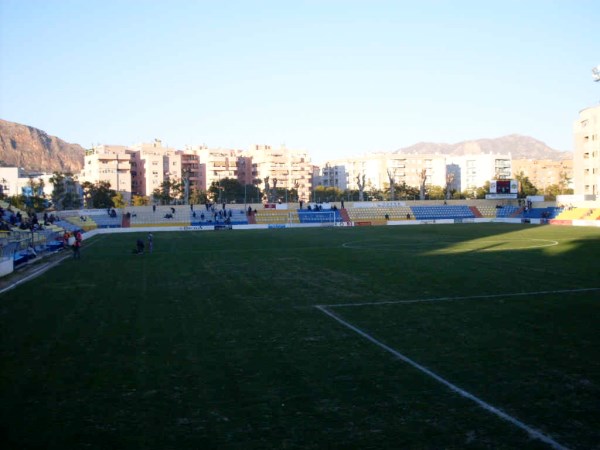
<point x="98" y="231"/>
<point x="6" y="266"/>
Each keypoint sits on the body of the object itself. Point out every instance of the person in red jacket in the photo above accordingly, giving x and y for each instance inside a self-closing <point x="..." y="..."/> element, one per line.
<point x="77" y="245"/>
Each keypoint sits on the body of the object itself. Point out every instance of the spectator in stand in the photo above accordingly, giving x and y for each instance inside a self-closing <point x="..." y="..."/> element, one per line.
<point x="31" y="251"/>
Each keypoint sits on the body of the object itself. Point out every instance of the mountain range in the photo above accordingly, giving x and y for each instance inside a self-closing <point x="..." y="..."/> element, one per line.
<point x="520" y="147"/>
<point x="34" y="150"/>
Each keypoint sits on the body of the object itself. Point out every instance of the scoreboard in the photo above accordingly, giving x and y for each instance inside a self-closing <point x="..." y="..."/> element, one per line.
<point x="503" y="189"/>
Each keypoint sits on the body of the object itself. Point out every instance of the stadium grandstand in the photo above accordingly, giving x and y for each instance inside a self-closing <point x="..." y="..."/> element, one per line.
<point x="25" y="237"/>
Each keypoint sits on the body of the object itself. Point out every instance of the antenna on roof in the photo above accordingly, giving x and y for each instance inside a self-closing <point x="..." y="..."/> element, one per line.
<point x="596" y="73"/>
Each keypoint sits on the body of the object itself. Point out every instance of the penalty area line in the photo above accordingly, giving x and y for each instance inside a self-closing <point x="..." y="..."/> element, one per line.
<point x="470" y="297"/>
<point x="536" y="434"/>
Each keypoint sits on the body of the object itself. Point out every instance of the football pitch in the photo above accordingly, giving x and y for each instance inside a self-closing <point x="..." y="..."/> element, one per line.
<point x="412" y="337"/>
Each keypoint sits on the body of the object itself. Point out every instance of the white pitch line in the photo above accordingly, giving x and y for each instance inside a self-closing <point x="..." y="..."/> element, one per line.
<point x="498" y="412"/>
<point x="393" y="246"/>
<point x="38" y="272"/>
<point x="35" y="274"/>
<point x="449" y="299"/>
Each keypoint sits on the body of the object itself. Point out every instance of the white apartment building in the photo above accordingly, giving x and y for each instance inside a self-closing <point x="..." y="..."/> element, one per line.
<point x="586" y="156"/>
<point x="215" y="164"/>
<point x="331" y="176"/>
<point x="473" y="171"/>
<point x="403" y="168"/>
<point x="111" y="163"/>
<point x="9" y="181"/>
<point x="291" y="168"/>
<point x="463" y="172"/>
<point x="14" y="182"/>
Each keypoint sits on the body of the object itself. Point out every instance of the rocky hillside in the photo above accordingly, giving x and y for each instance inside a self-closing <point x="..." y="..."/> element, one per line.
<point x="34" y="150"/>
<point x="520" y="147"/>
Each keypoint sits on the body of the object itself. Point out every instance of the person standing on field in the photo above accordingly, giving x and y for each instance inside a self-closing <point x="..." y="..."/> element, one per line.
<point x="150" y="242"/>
<point x="77" y="245"/>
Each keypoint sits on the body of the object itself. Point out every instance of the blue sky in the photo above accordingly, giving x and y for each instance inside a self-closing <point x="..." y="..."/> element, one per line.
<point x="336" y="78"/>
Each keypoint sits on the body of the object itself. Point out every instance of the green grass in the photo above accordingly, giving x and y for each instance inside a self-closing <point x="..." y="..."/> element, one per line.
<point x="213" y="341"/>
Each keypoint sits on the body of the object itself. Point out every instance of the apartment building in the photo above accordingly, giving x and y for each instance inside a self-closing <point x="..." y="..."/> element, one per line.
<point x="152" y="164"/>
<point x="545" y="172"/>
<point x="215" y="164"/>
<point x="377" y="169"/>
<point x="110" y="163"/>
<point x="9" y="181"/>
<point x="193" y="171"/>
<point x="473" y="171"/>
<point x="331" y="176"/>
<point x="292" y="169"/>
<point x="586" y="156"/>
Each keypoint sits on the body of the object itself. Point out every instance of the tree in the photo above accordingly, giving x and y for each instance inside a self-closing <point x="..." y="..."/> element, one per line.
<point x="554" y="190"/>
<point x="375" y="194"/>
<point x="391" y="173"/>
<point x="351" y="194"/>
<point x="248" y="193"/>
<point x="292" y="195"/>
<point x="436" y="193"/>
<point x="35" y="198"/>
<point x="423" y="181"/>
<point x="457" y="195"/>
<point x="140" y="200"/>
<point x="197" y="196"/>
<point x="360" y="182"/>
<point x="482" y="191"/>
<point x="185" y="180"/>
<point x="163" y="194"/>
<point x="563" y="183"/>
<point x="99" y="195"/>
<point x="18" y="201"/>
<point x="407" y="192"/>
<point x="327" y="194"/>
<point x="64" y="193"/>
<point x="267" y="190"/>
<point x="526" y="187"/>
<point x="118" y="200"/>
<point x="3" y="182"/>
<point x="226" y="190"/>
<point x="87" y="188"/>
<point x="59" y="189"/>
<point x="178" y="190"/>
